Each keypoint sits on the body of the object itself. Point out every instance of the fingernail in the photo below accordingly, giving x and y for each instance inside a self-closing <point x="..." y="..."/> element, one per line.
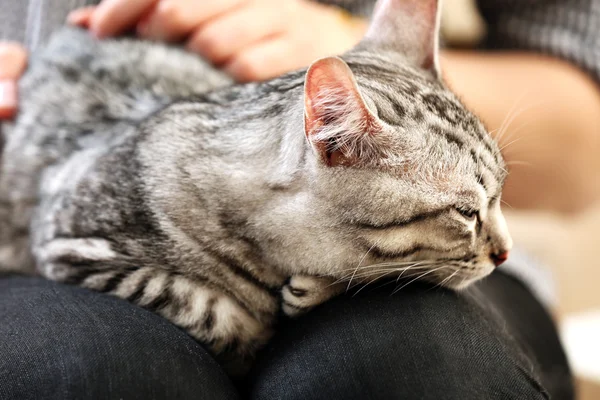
<point x="8" y="98"/>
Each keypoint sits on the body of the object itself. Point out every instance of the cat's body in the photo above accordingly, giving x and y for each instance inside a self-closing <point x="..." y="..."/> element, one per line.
<point x="141" y="179"/>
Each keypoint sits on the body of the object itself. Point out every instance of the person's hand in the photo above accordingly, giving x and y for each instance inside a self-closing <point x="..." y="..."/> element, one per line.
<point x="13" y="59"/>
<point x="250" y="39"/>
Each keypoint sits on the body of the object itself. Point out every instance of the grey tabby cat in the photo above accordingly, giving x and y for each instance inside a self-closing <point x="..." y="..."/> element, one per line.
<point x="137" y="170"/>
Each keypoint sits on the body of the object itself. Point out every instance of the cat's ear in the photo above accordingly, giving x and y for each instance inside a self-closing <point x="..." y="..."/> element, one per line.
<point x="337" y="122"/>
<point x="410" y="27"/>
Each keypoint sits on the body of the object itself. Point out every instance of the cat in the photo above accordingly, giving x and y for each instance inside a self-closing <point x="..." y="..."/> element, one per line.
<point x="138" y="170"/>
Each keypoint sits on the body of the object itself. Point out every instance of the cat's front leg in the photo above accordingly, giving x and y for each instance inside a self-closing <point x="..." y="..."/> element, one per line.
<point x="303" y="292"/>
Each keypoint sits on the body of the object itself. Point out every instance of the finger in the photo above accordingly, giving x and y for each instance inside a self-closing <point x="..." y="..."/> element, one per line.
<point x="265" y="60"/>
<point x="172" y="20"/>
<point x="113" y="17"/>
<point x="13" y="60"/>
<point x="8" y="98"/>
<point x="224" y="36"/>
<point x="81" y="17"/>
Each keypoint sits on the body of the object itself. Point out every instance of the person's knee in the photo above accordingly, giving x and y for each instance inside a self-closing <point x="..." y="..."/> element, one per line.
<point x="66" y="342"/>
<point x="417" y="344"/>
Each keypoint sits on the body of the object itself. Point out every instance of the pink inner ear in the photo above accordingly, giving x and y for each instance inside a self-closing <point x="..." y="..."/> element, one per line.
<point x="329" y="92"/>
<point x="336" y="119"/>
<point x="329" y="80"/>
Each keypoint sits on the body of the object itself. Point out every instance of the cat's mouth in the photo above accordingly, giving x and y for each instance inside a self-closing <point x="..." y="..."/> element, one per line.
<point x="453" y="274"/>
<point x="458" y="275"/>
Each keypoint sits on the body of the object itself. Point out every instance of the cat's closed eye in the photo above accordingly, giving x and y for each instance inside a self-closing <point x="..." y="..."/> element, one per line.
<point x="470" y="214"/>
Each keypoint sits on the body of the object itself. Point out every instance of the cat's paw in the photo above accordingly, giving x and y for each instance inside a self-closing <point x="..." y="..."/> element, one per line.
<point x="303" y="292"/>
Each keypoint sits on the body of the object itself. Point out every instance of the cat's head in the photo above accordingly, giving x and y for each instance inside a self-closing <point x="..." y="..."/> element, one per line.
<point x="404" y="180"/>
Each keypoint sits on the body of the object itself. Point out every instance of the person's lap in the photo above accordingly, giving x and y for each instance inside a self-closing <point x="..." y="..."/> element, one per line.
<point x="494" y="341"/>
<point x="62" y="342"/>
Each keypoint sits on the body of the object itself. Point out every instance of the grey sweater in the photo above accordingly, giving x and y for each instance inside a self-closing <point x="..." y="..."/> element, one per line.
<point x="568" y="29"/>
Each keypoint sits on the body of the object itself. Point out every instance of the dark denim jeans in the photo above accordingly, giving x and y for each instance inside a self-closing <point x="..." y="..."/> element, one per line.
<point x="494" y="341"/>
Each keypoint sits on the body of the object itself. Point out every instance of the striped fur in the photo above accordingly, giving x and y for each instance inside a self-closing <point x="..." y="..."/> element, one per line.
<point x="139" y="171"/>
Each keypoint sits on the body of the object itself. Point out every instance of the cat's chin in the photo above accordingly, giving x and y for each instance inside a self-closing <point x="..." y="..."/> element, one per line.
<point x="458" y="283"/>
<point x="461" y="284"/>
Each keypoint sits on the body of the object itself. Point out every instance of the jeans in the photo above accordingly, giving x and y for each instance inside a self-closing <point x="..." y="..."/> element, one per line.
<point x="492" y="341"/>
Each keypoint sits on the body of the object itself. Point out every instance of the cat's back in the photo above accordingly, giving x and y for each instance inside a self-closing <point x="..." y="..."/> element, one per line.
<point x="79" y="80"/>
<point x="80" y="99"/>
<point x="79" y="92"/>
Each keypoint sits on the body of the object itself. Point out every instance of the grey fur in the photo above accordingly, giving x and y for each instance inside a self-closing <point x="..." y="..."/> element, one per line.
<point x="138" y="170"/>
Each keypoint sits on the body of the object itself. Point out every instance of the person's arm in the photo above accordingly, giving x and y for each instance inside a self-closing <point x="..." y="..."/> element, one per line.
<point x="250" y="39"/>
<point x="552" y="145"/>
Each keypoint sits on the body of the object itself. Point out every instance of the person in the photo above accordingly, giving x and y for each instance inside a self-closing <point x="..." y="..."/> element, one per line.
<point x="495" y="340"/>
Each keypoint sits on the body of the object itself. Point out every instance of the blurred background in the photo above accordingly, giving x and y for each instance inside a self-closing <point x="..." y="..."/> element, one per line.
<point x="566" y="244"/>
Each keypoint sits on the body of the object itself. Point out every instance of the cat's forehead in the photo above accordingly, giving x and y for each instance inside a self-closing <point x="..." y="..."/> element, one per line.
<point x="401" y="94"/>
<point x="414" y="102"/>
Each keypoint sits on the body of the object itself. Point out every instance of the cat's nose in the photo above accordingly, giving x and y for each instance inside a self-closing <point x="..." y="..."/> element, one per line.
<point x="499" y="258"/>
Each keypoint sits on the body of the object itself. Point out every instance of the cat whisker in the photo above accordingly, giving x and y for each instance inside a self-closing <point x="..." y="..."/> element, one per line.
<point x="517" y="114"/>
<point x="503" y="169"/>
<point x="493" y="131"/>
<point x="419" y="277"/>
<point x="385" y="267"/>
<point x="506" y="203"/>
<point x="463" y="280"/>
<point x="412" y="268"/>
<point x="447" y="279"/>
<point x="412" y="274"/>
<point x="510" y="143"/>
<point x="385" y="283"/>
<point x="516" y="162"/>
<point x="399" y="277"/>
<point x="363" y="274"/>
<point x="359" y="263"/>
<point x="391" y="264"/>
<point x="516" y="131"/>
<point x="513" y="109"/>
<point x="371" y="281"/>
<point x="400" y="263"/>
